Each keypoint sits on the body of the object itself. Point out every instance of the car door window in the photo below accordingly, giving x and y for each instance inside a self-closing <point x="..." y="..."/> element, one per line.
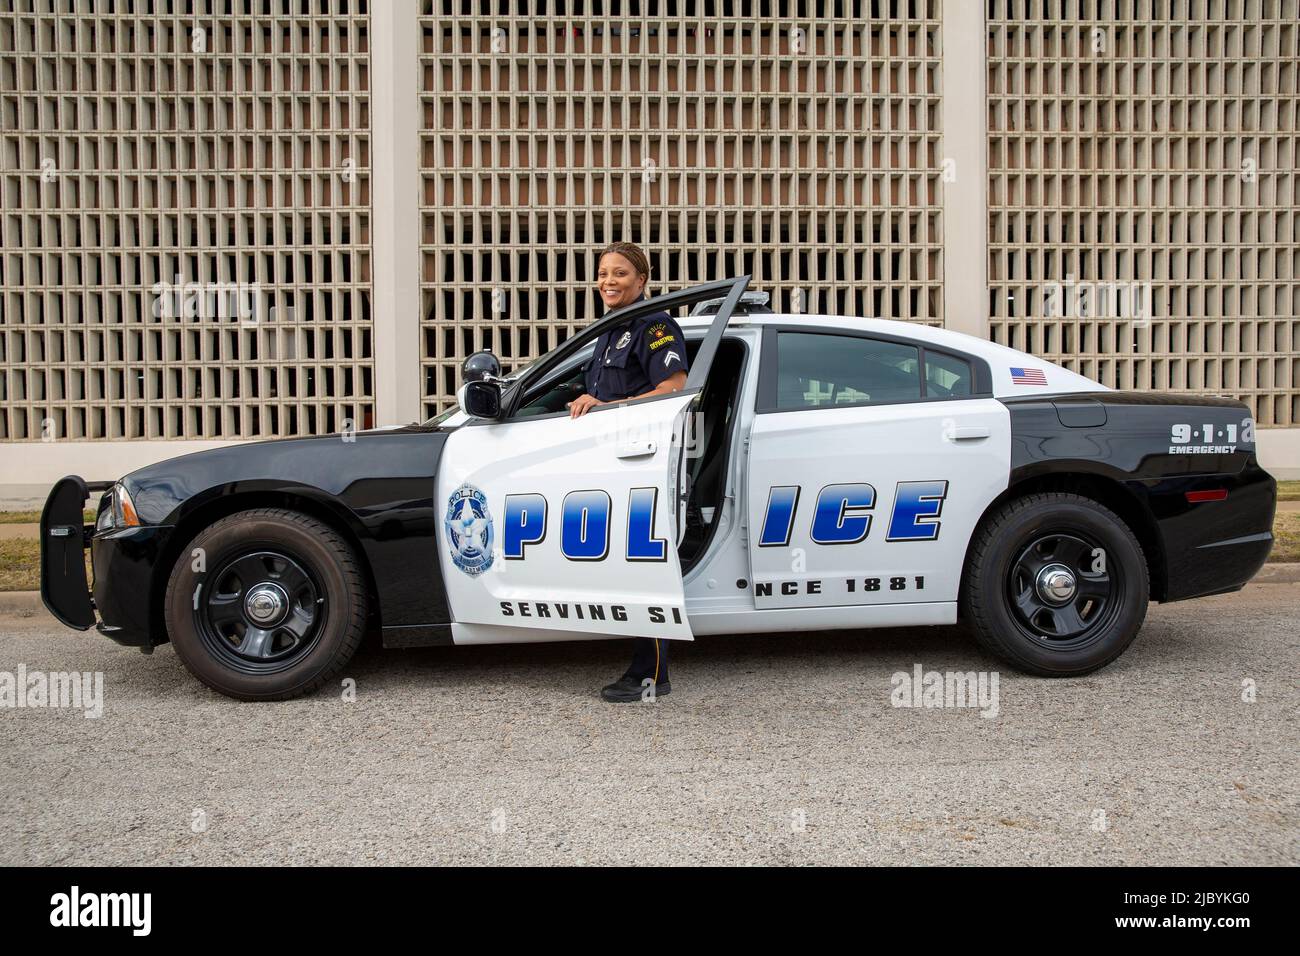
<point x="815" y="370"/>
<point x="562" y="386"/>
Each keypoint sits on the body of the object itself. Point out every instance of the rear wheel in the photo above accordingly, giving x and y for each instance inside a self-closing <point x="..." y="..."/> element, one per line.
<point x="1056" y="585"/>
<point x="266" y="605"/>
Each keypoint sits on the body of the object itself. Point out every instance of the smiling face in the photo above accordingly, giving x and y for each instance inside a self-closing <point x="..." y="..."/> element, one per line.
<point x="618" y="282"/>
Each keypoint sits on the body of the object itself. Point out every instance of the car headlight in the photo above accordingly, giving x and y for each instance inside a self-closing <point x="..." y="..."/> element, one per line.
<point x="120" y="512"/>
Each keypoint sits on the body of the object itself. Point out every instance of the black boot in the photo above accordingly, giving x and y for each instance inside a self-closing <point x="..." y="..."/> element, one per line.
<point x="627" y="690"/>
<point x="646" y="678"/>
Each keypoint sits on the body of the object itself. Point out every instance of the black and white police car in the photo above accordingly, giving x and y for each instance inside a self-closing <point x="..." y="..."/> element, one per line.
<point x="817" y="472"/>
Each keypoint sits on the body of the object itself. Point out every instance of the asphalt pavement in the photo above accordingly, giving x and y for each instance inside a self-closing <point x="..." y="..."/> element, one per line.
<point x="771" y="749"/>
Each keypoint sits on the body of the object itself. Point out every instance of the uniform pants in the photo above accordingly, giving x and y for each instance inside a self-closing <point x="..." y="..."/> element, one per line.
<point x="649" y="659"/>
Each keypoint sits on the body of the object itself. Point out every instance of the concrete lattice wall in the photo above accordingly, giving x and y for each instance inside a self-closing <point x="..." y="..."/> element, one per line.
<point x="806" y="154"/>
<point x="1148" y="147"/>
<point x="1147" y="150"/>
<point x="184" y="241"/>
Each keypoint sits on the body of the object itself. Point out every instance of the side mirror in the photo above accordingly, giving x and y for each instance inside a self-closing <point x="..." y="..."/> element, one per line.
<point x="480" y="367"/>
<point x="480" y="399"/>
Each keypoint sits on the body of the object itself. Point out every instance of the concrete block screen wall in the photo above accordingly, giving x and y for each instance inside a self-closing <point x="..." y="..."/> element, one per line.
<point x="184" y="239"/>
<point x="1144" y="199"/>
<point x="806" y="153"/>
<point x="235" y="219"/>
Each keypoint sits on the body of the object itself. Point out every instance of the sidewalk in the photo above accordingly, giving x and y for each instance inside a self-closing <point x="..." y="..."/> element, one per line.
<point x="23" y="497"/>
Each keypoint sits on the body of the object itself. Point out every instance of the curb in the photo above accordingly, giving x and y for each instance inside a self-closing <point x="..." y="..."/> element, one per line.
<point x="1280" y="573"/>
<point x="22" y="604"/>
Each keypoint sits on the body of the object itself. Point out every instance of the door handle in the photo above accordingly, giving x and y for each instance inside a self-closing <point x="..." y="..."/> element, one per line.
<point x="637" y="449"/>
<point x="970" y="433"/>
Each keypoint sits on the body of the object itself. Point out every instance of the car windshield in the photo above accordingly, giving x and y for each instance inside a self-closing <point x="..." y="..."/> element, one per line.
<point x="511" y="376"/>
<point x="438" y="419"/>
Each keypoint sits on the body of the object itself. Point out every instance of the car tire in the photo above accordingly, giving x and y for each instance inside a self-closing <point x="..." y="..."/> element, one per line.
<point x="267" y="604"/>
<point x="1039" y="595"/>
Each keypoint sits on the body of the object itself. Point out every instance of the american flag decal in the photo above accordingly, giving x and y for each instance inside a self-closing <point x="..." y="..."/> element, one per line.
<point x="1028" y="376"/>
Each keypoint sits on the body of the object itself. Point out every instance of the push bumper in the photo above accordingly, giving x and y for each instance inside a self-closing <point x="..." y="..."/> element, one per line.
<point x="64" y="537"/>
<point x="123" y="560"/>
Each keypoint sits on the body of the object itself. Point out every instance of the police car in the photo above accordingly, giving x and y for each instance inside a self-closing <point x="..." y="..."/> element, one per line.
<point x="817" y="472"/>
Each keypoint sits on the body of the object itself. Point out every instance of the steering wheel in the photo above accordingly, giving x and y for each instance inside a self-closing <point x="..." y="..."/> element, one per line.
<point x="555" y="399"/>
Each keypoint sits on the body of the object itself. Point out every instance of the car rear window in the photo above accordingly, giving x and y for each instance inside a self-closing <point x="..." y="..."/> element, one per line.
<point x="821" y="371"/>
<point x="946" y="375"/>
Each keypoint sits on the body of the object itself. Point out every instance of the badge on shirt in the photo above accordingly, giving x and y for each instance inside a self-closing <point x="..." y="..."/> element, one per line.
<point x="622" y="341"/>
<point x="659" y="335"/>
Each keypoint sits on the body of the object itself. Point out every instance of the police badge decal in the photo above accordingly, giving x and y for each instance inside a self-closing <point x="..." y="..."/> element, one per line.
<point x="469" y="530"/>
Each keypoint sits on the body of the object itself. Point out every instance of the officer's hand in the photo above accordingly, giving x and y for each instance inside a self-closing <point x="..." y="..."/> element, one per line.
<point x="583" y="404"/>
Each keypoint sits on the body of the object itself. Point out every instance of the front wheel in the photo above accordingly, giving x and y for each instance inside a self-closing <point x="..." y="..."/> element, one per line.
<point x="1056" y="585"/>
<point x="266" y="605"/>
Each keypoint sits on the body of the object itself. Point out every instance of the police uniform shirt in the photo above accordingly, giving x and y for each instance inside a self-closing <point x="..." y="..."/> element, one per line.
<point x="635" y="357"/>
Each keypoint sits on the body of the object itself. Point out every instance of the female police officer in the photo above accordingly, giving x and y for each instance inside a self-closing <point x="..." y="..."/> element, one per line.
<point x="644" y="356"/>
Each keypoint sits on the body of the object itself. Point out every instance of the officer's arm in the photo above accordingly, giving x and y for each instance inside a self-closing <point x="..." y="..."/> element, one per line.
<point x="662" y="352"/>
<point x="673" y="383"/>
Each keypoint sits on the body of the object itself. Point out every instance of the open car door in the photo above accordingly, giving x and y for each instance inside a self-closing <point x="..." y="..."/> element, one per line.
<point x="552" y="524"/>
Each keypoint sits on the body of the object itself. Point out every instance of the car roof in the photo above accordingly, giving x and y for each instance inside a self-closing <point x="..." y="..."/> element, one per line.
<point x="912" y="330"/>
<point x="999" y="357"/>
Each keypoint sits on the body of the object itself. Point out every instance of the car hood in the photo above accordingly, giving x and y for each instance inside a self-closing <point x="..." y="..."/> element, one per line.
<point x="339" y="465"/>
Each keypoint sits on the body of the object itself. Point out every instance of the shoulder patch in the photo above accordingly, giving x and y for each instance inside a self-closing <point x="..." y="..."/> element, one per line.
<point x="658" y="334"/>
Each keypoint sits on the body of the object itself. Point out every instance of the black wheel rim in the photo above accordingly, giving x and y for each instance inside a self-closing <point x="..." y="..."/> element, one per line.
<point x="261" y="612"/>
<point x="1061" y="595"/>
